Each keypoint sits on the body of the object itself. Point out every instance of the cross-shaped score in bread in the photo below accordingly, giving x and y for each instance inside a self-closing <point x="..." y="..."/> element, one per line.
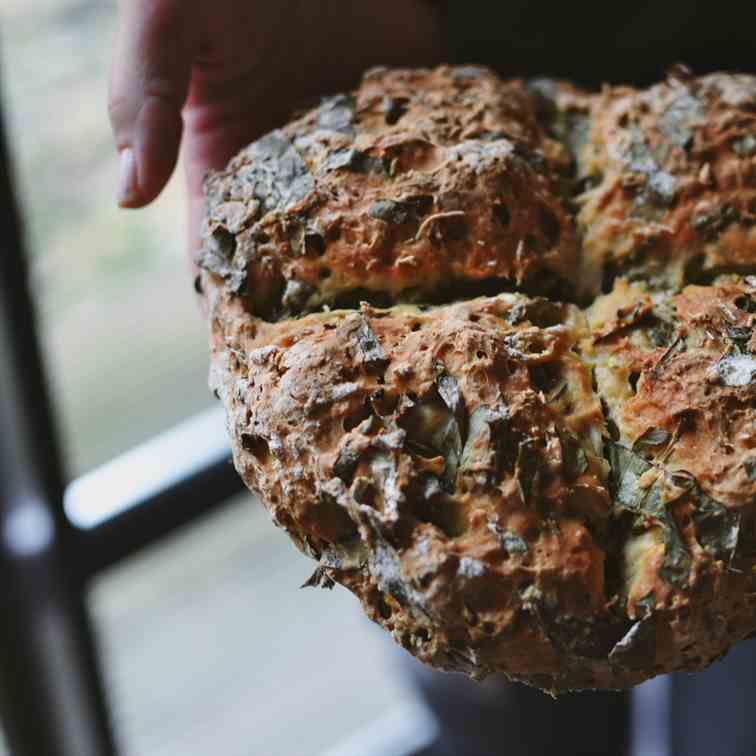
<point x="486" y="352"/>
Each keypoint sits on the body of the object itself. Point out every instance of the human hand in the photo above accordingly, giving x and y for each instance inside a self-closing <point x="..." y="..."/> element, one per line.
<point x="213" y="76"/>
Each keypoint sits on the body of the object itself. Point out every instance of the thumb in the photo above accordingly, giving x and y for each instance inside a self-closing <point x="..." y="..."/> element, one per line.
<point x="148" y="86"/>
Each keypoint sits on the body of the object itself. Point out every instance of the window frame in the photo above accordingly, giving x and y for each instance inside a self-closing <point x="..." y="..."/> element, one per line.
<point x="54" y="539"/>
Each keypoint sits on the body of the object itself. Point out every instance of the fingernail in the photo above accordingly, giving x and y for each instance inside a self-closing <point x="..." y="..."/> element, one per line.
<point x="128" y="188"/>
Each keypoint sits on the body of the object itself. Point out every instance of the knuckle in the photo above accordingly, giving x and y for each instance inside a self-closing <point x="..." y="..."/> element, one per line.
<point x="121" y="111"/>
<point x="163" y="89"/>
<point x="117" y="105"/>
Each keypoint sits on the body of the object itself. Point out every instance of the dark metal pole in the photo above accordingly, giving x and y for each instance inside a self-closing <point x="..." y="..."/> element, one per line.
<point x="151" y="490"/>
<point x="51" y="697"/>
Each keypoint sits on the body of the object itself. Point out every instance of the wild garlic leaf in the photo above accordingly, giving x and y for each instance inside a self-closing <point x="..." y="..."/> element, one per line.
<point x="448" y="390"/>
<point x="737" y="370"/>
<point x="651" y="441"/>
<point x="370" y="346"/>
<point x="678" y="121"/>
<point x="637" y="648"/>
<point x="527" y="470"/>
<point x="432" y="431"/>
<point x="745" y="146"/>
<point x="319" y="579"/>
<point x="346" y="463"/>
<point x="276" y="172"/>
<point x="393" y="212"/>
<point x="355" y="161"/>
<point x="750" y="468"/>
<point x="336" y="113"/>
<point x="574" y="458"/>
<point x="647" y="603"/>
<point x="449" y="438"/>
<point x="717" y="528"/>
<point x="649" y="504"/>
<point x="739" y="337"/>
<point x="485" y="433"/>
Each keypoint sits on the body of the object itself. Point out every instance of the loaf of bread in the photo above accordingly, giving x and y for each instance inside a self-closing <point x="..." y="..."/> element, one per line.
<point x="487" y="354"/>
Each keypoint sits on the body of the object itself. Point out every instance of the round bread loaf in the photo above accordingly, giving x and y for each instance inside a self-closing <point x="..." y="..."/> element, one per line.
<point x="486" y="350"/>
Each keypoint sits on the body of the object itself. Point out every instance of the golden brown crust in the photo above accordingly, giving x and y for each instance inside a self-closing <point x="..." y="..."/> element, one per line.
<point x="419" y="182"/>
<point x="676" y="382"/>
<point x="508" y="483"/>
<point x="426" y="449"/>
<point x="671" y="177"/>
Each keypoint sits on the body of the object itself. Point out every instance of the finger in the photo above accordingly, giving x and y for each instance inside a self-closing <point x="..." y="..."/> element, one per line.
<point x="148" y="87"/>
<point x="196" y="207"/>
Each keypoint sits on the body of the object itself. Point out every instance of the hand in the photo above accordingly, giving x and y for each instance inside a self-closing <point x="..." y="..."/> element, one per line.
<point x="216" y="74"/>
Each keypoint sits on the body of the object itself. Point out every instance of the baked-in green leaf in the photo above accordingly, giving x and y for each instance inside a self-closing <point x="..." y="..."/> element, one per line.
<point x="337" y="113"/>
<point x="739" y="337"/>
<point x="648" y="503"/>
<point x="356" y="161"/>
<point x="737" y="370"/>
<point x="392" y="212"/>
<point x="679" y="119"/>
<point x="750" y="468"/>
<point x="486" y="433"/>
<point x="512" y="543"/>
<point x="528" y="470"/>
<point x="277" y="176"/>
<point x="660" y="186"/>
<point x="319" y="579"/>
<point x="433" y="429"/>
<point x="394" y="108"/>
<point x="651" y="441"/>
<point x="346" y="463"/>
<point x="372" y="352"/>
<point x="574" y="458"/>
<point x="637" y="648"/>
<point x="745" y="146"/>
<point x="449" y="438"/>
<point x="717" y="528"/>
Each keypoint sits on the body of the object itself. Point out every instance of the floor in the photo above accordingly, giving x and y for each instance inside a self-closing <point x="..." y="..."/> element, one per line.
<point x="211" y="647"/>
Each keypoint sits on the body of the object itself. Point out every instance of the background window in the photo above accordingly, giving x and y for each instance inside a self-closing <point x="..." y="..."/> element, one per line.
<point x="123" y="339"/>
<point x="208" y="644"/>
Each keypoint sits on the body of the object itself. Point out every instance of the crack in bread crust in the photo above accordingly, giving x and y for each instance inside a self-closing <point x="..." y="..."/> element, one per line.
<point x="508" y="483"/>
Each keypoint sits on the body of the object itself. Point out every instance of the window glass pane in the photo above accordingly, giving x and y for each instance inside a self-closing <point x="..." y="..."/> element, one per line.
<point x="212" y="647"/>
<point x="208" y="644"/>
<point x="124" y="342"/>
